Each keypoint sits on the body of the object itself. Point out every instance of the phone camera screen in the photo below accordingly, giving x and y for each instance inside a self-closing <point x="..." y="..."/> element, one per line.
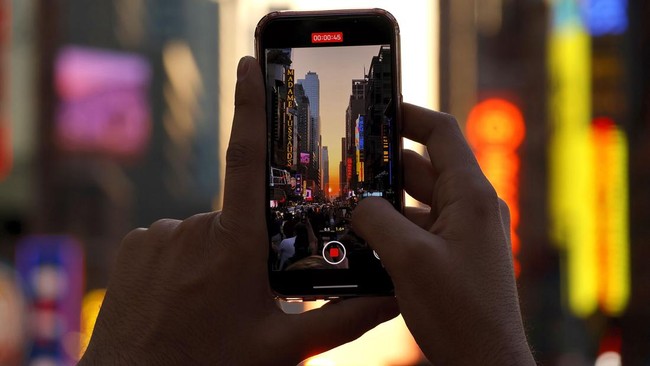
<point x="331" y="143"/>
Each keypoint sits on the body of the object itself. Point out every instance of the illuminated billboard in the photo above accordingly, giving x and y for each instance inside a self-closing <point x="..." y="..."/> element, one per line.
<point x="291" y="104"/>
<point x="495" y="130"/>
<point x="51" y="268"/>
<point x="304" y="158"/>
<point x="588" y="172"/>
<point x="103" y="102"/>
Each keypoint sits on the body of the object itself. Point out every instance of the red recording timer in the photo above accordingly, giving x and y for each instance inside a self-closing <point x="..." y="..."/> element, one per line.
<point x="327" y="37"/>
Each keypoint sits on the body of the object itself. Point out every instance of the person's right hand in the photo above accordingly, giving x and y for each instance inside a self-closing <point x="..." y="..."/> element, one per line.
<point x="451" y="263"/>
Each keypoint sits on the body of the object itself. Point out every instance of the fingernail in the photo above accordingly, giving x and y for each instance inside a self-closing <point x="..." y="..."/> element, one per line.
<point x="243" y="67"/>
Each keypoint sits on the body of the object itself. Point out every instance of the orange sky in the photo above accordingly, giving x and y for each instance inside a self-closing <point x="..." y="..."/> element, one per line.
<point x="336" y="67"/>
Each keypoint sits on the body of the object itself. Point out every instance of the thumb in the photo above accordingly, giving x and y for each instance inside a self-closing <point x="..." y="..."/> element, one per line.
<point x="244" y="182"/>
<point x="334" y="324"/>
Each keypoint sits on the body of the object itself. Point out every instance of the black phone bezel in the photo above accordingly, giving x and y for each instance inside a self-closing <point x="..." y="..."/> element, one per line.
<point x="360" y="27"/>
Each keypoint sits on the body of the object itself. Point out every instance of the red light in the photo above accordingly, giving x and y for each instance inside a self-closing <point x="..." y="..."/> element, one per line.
<point x="495" y="122"/>
<point x="495" y="129"/>
<point x="327" y="37"/>
<point x="334" y="252"/>
<point x="5" y="151"/>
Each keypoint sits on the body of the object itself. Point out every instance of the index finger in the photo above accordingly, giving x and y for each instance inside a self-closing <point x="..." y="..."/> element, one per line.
<point x="395" y="238"/>
<point x="443" y="138"/>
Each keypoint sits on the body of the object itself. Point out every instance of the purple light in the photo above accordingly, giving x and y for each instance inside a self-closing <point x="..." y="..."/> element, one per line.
<point x="104" y="104"/>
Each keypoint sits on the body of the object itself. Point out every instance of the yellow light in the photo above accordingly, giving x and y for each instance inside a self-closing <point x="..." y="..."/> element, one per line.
<point x="389" y="343"/>
<point x="319" y="361"/>
<point x="90" y="306"/>
<point x="589" y="184"/>
<point x="571" y="186"/>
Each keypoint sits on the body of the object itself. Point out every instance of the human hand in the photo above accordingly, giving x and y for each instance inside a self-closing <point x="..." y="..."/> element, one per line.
<point x="451" y="263"/>
<point x="197" y="291"/>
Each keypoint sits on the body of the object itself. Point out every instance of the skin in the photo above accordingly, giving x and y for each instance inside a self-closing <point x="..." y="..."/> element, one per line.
<point x="197" y="292"/>
<point x="451" y="262"/>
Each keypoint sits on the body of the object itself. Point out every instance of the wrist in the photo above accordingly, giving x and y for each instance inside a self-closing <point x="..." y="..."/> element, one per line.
<point x="103" y="351"/>
<point x="510" y="350"/>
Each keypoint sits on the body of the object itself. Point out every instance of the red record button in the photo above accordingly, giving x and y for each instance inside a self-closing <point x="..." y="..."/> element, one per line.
<point x="334" y="252"/>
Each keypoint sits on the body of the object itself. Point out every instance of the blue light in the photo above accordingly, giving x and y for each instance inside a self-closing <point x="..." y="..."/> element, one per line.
<point x="361" y="133"/>
<point x="603" y="17"/>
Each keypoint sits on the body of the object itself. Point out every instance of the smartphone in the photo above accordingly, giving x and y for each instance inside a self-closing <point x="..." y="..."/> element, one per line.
<point x="333" y="110"/>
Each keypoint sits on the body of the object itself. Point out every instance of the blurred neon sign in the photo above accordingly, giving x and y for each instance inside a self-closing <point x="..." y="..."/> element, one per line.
<point x="291" y="100"/>
<point x="604" y="17"/>
<point x="612" y="231"/>
<point x="91" y="304"/>
<point x="52" y="271"/>
<point x="571" y="188"/>
<point x="304" y="158"/>
<point x="361" y="133"/>
<point x="103" y="101"/>
<point x="12" y="318"/>
<point x="588" y="181"/>
<point x="6" y="150"/>
<point x="495" y="130"/>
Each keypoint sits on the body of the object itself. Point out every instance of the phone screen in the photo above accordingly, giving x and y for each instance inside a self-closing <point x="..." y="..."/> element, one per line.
<point x="333" y="140"/>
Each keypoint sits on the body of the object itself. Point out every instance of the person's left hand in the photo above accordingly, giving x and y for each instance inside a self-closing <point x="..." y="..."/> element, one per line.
<point x="197" y="291"/>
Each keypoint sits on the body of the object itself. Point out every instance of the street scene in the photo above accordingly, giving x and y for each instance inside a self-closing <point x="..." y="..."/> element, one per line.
<point x="330" y="135"/>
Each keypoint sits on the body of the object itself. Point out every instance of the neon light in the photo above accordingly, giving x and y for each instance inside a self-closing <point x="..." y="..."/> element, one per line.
<point x="6" y="148"/>
<point x="361" y="133"/>
<point x="103" y="104"/>
<point x="89" y="311"/>
<point x="605" y="16"/>
<point x="6" y="151"/>
<point x="52" y="271"/>
<point x="571" y="171"/>
<point x="495" y="129"/>
<point x="610" y="145"/>
<point x="291" y="102"/>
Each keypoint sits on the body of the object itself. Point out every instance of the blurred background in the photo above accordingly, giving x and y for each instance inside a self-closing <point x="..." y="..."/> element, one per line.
<point x="116" y="113"/>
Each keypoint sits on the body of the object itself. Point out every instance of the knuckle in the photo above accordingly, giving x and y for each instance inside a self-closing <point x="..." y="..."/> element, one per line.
<point x="197" y="222"/>
<point x="163" y="226"/>
<point x="417" y="254"/>
<point x="473" y="189"/>
<point x="483" y="198"/>
<point x="161" y="230"/>
<point x="200" y="227"/>
<point x="134" y="235"/>
<point x="449" y="123"/>
<point x="132" y="239"/>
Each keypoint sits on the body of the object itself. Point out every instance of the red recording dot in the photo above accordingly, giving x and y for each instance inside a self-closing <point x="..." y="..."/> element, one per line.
<point x="334" y="252"/>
